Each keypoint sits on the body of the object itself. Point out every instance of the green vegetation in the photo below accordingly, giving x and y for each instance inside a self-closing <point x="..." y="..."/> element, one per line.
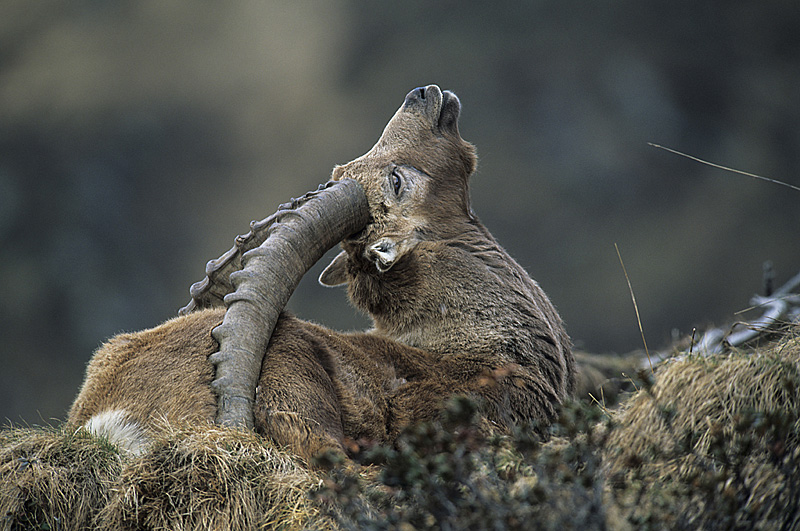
<point x="452" y="475"/>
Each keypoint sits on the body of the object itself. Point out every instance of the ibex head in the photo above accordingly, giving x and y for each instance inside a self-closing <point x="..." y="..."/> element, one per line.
<point x="415" y="178"/>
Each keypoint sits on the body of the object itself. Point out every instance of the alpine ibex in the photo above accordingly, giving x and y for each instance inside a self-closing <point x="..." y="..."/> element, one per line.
<point x="453" y="313"/>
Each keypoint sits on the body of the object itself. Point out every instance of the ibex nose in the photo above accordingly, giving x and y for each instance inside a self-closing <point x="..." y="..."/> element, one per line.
<point x="421" y="95"/>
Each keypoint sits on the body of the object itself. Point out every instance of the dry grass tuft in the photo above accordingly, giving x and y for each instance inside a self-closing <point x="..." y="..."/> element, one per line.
<point x="713" y="441"/>
<point x="52" y="479"/>
<point x="212" y="478"/>
<point x="192" y="478"/>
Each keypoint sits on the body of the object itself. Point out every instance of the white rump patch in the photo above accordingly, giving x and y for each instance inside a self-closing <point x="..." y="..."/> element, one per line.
<point x="119" y="429"/>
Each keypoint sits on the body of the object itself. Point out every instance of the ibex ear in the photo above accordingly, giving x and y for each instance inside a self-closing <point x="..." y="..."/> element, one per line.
<point x="336" y="272"/>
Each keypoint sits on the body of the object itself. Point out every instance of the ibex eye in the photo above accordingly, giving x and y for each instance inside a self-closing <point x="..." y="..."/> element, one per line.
<point x="396" y="182"/>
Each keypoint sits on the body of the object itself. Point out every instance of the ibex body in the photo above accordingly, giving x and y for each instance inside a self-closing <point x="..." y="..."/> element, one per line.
<point x="453" y="314"/>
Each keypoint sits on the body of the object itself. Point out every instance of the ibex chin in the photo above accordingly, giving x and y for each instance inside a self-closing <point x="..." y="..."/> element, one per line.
<point x="453" y="313"/>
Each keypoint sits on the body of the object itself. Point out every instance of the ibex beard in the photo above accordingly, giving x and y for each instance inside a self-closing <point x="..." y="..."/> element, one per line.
<point x="453" y="314"/>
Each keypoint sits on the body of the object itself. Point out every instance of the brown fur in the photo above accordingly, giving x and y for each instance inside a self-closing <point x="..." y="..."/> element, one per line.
<point x="453" y="314"/>
<point x="161" y="372"/>
<point x="316" y="387"/>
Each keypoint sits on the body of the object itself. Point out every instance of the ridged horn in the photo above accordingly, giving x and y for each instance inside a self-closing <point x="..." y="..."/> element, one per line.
<point x="257" y="276"/>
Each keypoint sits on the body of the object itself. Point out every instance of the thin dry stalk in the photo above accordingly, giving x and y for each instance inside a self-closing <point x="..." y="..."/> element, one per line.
<point x="635" y="306"/>
<point x="719" y="166"/>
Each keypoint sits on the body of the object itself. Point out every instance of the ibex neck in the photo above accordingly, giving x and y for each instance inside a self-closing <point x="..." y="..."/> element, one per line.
<point x="462" y="294"/>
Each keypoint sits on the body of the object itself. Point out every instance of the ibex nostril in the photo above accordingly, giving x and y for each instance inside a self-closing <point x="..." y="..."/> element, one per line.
<point x="416" y="96"/>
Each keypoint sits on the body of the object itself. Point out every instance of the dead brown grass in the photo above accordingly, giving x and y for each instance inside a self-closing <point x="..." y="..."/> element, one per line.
<point x="192" y="479"/>
<point x="51" y="479"/>
<point x="213" y="478"/>
<point x="713" y="440"/>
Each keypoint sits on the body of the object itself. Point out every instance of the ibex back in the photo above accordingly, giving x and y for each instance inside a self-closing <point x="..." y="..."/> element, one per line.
<point x="453" y="314"/>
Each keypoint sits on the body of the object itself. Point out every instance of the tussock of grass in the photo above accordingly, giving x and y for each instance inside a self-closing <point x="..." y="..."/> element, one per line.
<point x="212" y="478"/>
<point x="52" y="479"/>
<point x="192" y="478"/>
<point x="713" y="442"/>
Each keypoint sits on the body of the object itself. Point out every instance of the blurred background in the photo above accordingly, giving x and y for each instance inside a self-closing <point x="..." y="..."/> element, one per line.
<point x="138" y="138"/>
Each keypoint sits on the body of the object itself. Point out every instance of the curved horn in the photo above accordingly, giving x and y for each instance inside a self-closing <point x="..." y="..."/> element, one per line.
<point x="210" y="292"/>
<point x="281" y="249"/>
